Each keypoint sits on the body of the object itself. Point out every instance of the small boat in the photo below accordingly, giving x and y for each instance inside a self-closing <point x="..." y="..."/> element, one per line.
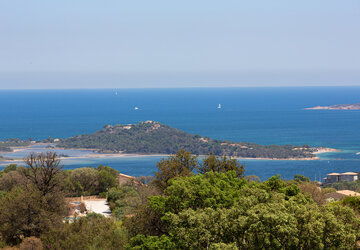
<point x="358" y="153"/>
<point x="219" y="106"/>
<point x="136" y="108"/>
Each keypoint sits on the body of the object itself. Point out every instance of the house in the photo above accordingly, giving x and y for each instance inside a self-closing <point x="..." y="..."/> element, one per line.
<point x="124" y="179"/>
<point x="336" y="177"/>
<point x="349" y="176"/>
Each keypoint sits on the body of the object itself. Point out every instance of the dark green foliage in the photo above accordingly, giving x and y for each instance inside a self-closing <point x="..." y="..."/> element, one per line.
<point x="25" y="213"/>
<point x="91" y="232"/>
<point x="179" y="165"/>
<point x="9" y="168"/>
<point x="275" y="183"/>
<point x="84" y="181"/>
<point x="301" y="178"/>
<point x="344" y="185"/>
<point x="200" y="191"/>
<point x="34" y="203"/>
<point x="353" y="202"/>
<point x="123" y="200"/>
<point x="223" y="164"/>
<point x="108" y="178"/>
<point x="90" y="181"/>
<point x="5" y="146"/>
<point x="218" y="209"/>
<point x="10" y="179"/>
<point x="156" y="138"/>
<point x="150" y="242"/>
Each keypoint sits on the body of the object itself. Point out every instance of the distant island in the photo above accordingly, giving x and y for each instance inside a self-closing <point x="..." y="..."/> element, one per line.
<point x="355" y="106"/>
<point x="155" y="138"/>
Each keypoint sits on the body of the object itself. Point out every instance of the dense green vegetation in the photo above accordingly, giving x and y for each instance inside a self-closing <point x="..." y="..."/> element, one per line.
<point x="188" y="204"/>
<point x="6" y="146"/>
<point x="156" y="138"/>
<point x="342" y="185"/>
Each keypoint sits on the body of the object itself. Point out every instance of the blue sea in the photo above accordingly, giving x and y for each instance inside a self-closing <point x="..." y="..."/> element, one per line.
<point x="260" y="115"/>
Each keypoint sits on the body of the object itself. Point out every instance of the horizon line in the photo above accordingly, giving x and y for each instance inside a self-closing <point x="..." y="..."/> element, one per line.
<point x="188" y="87"/>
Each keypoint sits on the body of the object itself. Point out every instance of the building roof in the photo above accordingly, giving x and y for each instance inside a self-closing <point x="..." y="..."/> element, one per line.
<point x="346" y="173"/>
<point x="334" y="174"/>
<point x="126" y="176"/>
<point x="349" y="173"/>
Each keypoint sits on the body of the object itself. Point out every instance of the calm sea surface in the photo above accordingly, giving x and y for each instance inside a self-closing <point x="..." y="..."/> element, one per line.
<point x="261" y="115"/>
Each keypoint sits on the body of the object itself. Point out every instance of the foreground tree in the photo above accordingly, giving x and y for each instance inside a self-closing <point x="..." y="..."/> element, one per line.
<point x="25" y="213"/>
<point x="84" y="181"/>
<point x="37" y="205"/>
<point x="108" y="178"/>
<point x="181" y="164"/>
<point x="43" y="171"/>
<point x="91" y="232"/>
<point x="219" y="209"/>
<point x="223" y="164"/>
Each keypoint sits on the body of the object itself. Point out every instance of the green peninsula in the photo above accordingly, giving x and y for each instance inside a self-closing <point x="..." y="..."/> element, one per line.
<point x="6" y="146"/>
<point x="155" y="138"/>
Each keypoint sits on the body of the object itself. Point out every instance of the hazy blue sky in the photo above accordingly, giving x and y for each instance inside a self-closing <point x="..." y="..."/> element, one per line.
<point x="163" y="43"/>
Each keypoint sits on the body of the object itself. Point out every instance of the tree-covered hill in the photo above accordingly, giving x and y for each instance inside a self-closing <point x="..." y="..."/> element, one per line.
<point x="6" y="146"/>
<point x="155" y="138"/>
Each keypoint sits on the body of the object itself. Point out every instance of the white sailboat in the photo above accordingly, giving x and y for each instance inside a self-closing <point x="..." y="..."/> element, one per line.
<point x="136" y="108"/>
<point x="219" y="106"/>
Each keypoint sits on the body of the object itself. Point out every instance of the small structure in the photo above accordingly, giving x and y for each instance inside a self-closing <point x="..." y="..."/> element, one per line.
<point x="336" y="177"/>
<point x="124" y="179"/>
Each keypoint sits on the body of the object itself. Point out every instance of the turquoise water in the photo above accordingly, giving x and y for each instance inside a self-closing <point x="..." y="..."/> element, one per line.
<point x="261" y="115"/>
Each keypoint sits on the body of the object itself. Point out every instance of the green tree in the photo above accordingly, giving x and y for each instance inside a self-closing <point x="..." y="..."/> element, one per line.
<point x="221" y="165"/>
<point x="8" y="168"/>
<point x="84" y="181"/>
<point x="181" y="164"/>
<point x="108" y="178"/>
<point x="25" y="213"/>
<point x="219" y="209"/>
<point x="301" y="178"/>
<point x="150" y="242"/>
<point x="90" y="232"/>
<point x="38" y="204"/>
<point x="275" y="183"/>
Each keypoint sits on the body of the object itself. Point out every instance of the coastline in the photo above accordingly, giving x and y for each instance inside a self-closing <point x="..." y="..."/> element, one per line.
<point x="319" y="150"/>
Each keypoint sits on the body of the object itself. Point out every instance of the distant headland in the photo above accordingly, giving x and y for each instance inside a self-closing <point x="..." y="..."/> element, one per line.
<point x="154" y="138"/>
<point x="355" y="106"/>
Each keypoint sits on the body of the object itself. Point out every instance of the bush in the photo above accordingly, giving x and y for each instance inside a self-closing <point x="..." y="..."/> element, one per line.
<point x="31" y="243"/>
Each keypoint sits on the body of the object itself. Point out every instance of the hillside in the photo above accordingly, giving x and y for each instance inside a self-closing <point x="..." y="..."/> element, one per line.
<point x="156" y="138"/>
<point x="6" y="146"/>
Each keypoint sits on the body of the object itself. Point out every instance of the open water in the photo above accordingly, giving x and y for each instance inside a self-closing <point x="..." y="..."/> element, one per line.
<point x="260" y="115"/>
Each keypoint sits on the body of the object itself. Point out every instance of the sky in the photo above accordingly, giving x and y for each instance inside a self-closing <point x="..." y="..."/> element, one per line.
<point x="185" y="43"/>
